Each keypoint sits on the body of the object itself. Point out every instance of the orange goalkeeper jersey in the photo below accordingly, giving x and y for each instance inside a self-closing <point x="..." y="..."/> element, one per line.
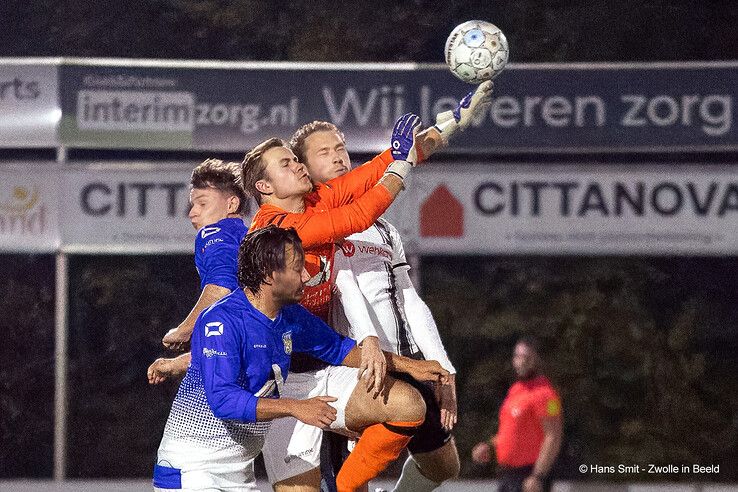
<point x="333" y="210"/>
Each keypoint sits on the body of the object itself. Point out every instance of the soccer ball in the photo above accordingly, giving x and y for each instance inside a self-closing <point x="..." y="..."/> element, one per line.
<point x="476" y="51"/>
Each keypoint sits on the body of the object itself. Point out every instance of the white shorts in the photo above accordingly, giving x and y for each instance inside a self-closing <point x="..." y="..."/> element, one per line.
<point x="185" y="467"/>
<point x="292" y="447"/>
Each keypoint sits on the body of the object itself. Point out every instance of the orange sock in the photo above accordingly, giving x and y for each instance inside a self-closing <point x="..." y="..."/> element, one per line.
<point x="378" y="446"/>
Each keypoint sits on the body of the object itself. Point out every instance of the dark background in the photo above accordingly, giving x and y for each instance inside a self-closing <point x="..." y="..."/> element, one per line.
<point x="357" y="30"/>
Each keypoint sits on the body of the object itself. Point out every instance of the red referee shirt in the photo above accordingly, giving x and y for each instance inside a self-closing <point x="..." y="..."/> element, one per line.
<point x="520" y="435"/>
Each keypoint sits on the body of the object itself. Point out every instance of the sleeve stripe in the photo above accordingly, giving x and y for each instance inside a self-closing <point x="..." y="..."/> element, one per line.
<point x="401" y="265"/>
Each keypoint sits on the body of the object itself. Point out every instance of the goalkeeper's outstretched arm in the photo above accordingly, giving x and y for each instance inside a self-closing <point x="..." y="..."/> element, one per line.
<point x="451" y="122"/>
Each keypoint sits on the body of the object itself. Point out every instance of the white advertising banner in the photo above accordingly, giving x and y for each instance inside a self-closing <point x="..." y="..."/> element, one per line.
<point x="140" y="208"/>
<point x="127" y="208"/>
<point x="28" y="208"/>
<point x="551" y="210"/>
<point x="29" y="104"/>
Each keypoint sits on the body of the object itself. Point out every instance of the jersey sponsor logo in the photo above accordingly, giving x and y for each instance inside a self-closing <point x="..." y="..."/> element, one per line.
<point x="553" y="408"/>
<point x="213" y="329"/>
<point x="287" y="341"/>
<point x="260" y="346"/>
<point x="211" y="242"/>
<point x="209" y="231"/>
<point x="375" y="250"/>
<point x="209" y="353"/>
<point x="301" y="454"/>
<point x="348" y="248"/>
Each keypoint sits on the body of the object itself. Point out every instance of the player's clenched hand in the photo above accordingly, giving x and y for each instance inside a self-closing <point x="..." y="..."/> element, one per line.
<point x="482" y="453"/>
<point x="161" y="370"/>
<point x="427" y="370"/>
<point x="177" y="339"/>
<point x="373" y="367"/>
<point x="532" y="484"/>
<point x="468" y="110"/>
<point x="446" y="397"/>
<point x="315" y="411"/>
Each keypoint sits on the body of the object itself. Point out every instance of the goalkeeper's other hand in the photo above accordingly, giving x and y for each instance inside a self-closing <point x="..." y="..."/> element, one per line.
<point x="468" y="109"/>
<point x="404" y="144"/>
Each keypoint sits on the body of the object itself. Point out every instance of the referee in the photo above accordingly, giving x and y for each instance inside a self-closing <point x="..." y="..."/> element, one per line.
<point x="530" y="428"/>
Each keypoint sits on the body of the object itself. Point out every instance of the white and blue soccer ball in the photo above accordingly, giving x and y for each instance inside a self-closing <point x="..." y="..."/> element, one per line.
<point x="476" y="51"/>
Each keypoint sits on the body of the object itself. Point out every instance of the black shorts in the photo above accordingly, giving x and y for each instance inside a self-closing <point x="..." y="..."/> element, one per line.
<point x="431" y="435"/>
<point x="511" y="479"/>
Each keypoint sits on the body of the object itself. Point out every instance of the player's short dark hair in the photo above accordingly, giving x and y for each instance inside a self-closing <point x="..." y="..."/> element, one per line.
<point x="223" y="176"/>
<point x="297" y="142"/>
<point x="253" y="166"/>
<point x="262" y="252"/>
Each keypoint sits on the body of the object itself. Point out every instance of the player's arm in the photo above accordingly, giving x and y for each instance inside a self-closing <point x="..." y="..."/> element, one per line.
<point x="228" y="401"/>
<point x="316" y="338"/>
<point x="215" y="256"/>
<point x="449" y="123"/>
<point x="425" y="333"/>
<point x="373" y="365"/>
<point x="397" y="160"/>
<point x="179" y="338"/>
<point x="221" y="370"/>
<point x="344" y="189"/>
<point x="422" y="325"/>
<point x="421" y="370"/>
<point x="420" y="319"/>
<point x="164" y="369"/>
<point x="313" y="411"/>
<point x="423" y="328"/>
<point x="482" y="451"/>
<point x="335" y="224"/>
<point x="553" y="431"/>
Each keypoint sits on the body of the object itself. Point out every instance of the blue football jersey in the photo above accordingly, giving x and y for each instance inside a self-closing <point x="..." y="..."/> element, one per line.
<point x="241" y="355"/>
<point x="216" y="252"/>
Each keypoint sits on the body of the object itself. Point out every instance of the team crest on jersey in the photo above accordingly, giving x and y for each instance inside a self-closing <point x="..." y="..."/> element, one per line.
<point x="213" y="329"/>
<point x="209" y="231"/>
<point x="348" y="248"/>
<point x="287" y="340"/>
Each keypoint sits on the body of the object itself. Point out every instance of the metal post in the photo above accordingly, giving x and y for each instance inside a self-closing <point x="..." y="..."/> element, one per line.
<point x="60" y="368"/>
<point x="61" y="154"/>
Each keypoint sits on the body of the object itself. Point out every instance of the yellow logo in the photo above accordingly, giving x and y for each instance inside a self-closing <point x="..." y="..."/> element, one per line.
<point x="23" y="200"/>
<point x="553" y="408"/>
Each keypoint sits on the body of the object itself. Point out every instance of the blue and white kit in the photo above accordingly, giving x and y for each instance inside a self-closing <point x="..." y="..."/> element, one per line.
<point x="238" y="356"/>
<point x="216" y="252"/>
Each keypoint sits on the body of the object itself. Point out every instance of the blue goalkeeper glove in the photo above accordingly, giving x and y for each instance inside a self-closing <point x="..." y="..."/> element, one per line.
<point x="468" y="110"/>
<point x="404" y="146"/>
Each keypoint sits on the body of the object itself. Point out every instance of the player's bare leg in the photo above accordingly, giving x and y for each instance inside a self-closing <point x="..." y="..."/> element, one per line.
<point x="399" y="409"/>
<point x="398" y="402"/>
<point x="304" y="482"/>
<point x="424" y="472"/>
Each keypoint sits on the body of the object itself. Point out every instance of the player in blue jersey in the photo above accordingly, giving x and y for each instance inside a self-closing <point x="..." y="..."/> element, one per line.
<point x="218" y="205"/>
<point x="241" y="349"/>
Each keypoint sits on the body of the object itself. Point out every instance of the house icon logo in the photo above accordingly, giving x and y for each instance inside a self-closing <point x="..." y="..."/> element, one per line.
<point x="441" y="214"/>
